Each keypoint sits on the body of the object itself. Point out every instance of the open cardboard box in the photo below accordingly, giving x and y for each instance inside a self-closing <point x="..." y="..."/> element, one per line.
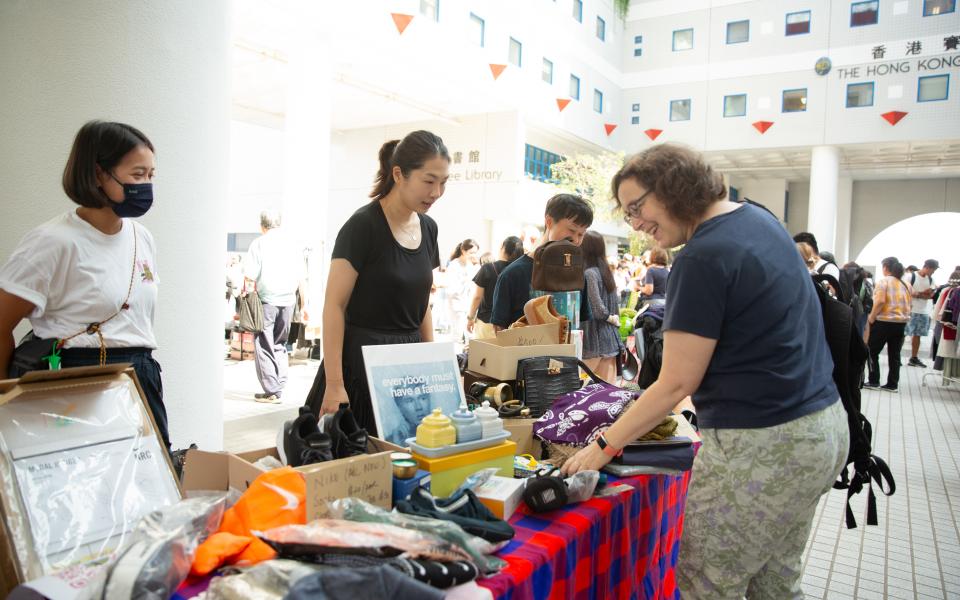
<point x="11" y="571"/>
<point x="498" y="358"/>
<point x="368" y="477"/>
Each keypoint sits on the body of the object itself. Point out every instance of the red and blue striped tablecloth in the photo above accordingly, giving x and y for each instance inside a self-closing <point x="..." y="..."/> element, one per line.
<point x="620" y="546"/>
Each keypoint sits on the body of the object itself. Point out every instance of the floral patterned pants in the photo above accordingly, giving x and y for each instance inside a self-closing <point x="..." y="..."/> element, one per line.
<point x="752" y="497"/>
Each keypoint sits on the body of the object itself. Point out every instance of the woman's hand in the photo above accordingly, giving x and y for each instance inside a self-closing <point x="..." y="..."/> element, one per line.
<point x="614" y="320"/>
<point x="470" y="323"/>
<point x="333" y="397"/>
<point x="590" y="458"/>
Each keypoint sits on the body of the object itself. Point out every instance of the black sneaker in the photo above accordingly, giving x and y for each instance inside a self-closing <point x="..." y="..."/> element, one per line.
<point x="870" y="386"/>
<point x="302" y="443"/>
<point x="916" y="362"/>
<point x="889" y="388"/>
<point x="463" y="508"/>
<point x="349" y="439"/>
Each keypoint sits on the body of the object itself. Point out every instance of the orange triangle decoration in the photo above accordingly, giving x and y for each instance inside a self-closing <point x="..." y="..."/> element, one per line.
<point x="562" y="103"/>
<point x="401" y="21"/>
<point x="609" y="127"/>
<point x="653" y="133"/>
<point x="497" y="69"/>
<point x="763" y="126"/>
<point x="893" y="117"/>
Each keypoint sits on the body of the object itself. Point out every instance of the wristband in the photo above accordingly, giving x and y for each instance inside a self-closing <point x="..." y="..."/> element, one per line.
<point x="607" y="448"/>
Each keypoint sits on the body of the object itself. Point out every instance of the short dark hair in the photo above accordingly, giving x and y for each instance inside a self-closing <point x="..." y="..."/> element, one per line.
<point x="893" y="264"/>
<point x="103" y="143"/>
<point x="807" y="238"/>
<point x="409" y="154"/>
<point x="512" y="247"/>
<point x="931" y="263"/>
<point x="658" y="256"/>
<point x="569" y="206"/>
<point x="683" y="181"/>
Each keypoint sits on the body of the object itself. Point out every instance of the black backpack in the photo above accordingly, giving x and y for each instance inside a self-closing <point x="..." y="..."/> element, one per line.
<point x="849" y="358"/>
<point x="847" y="287"/>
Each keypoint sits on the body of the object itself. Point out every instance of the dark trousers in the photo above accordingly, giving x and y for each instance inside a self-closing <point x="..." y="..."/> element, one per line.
<point x="270" y="350"/>
<point x="889" y="334"/>
<point x="147" y="370"/>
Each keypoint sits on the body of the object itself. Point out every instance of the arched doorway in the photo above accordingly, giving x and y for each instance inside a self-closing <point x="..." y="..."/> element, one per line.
<point x="913" y="240"/>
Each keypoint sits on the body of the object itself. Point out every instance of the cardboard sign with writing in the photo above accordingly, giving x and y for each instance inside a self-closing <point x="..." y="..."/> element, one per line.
<point x="534" y="335"/>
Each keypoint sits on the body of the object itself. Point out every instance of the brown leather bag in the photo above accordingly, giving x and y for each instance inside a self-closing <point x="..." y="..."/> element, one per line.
<point x="558" y="267"/>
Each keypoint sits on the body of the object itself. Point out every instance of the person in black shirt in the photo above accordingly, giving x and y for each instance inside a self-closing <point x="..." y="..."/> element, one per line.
<point x="378" y="288"/>
<point x="478" y="319"/>
<point x="567" y="217"/>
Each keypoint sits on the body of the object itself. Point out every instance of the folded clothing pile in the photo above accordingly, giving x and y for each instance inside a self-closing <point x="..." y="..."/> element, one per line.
<point x="462" y="508"/>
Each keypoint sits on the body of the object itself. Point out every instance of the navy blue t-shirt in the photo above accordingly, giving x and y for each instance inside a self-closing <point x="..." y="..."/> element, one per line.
<point x="658" y="277"/>
<point x="740" y="281"/>
<point x="512" y="292"/>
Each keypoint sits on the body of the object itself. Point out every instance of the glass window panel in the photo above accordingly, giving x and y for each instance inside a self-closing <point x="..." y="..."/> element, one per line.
<point x="476" y="29"/>
<point x="738" y="32"/>
<point x="516" y="52"/>
<point x="430" y="9"/>
<point x="794" y="100"/>
<point x="638" y="51"/>
<point x="859" y="94"/>
<point x="578" y="10"/>
<point x="682" y="39"/>
<point x="798" y="23"/>
<point x="638" y="39"/>
<point x="574" y="87"/>
<point x="601" y="29"/>
<point x="864" y="13"/>
<point x="634" y="120"/>
<point x="933" y="88"/>
<point x="680" y="110"/>
<point x="938" y="7"/>
<point x="598" y="101"/>
<point x="735" y="105"/>
<point x="547" y="74"/>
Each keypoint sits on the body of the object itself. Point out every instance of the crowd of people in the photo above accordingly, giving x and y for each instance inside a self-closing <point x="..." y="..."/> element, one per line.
<point x="743" y="337"/>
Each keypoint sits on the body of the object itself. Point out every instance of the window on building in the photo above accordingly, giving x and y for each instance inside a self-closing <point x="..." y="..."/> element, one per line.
<point x="794" y="100"/>
<point x="634" y="120"/>
<point x="578" y="10"/>
<point x="547" y="71"/>
<point x="601" y="29"/>
<point x="430" y="9"/>
<point x="537" y="163"/>
<point x="598" y="101"/>
<point x="574" y="87"/>
<point x="735" y="105"/>
<point x="933" y="88"/>
<point x="477" y="29"/>
<point x="516" y="52"/>
<point x="859" y="94"/>
<point x="798" y="23"/>
<point x="635" y="108"/>
<point x="638" y="51"/>
<point x="938" y="7"/>
<point x="638" y="39"/>
<point x="680" y="110"/>
<point x="864" y="13"/>
<point x="738" y="32"/>
<point x="682" y="39"/>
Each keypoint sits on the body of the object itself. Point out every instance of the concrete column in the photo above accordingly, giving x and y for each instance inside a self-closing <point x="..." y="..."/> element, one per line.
<point x="844" y="207"/>
<point x="822" y="215"/>
<point x="164" y="68"/>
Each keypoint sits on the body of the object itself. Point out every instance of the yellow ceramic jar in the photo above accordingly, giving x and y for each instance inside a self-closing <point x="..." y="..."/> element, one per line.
<point x="436" y="430"/>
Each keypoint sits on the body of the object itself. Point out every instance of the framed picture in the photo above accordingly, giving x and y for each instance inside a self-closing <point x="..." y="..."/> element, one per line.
<point x="407" y="381"/>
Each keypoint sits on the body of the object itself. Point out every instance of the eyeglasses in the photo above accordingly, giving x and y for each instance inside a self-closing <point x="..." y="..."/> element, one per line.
<point x="632" y="210"/>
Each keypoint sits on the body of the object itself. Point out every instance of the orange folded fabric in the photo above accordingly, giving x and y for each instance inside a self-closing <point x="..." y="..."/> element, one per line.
<point x="275" y="498"/>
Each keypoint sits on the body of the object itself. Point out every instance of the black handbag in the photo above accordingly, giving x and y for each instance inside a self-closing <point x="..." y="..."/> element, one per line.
<point x="30" y="355"/>
<point x="251" y="313"/>
<point x="543" y="379"/>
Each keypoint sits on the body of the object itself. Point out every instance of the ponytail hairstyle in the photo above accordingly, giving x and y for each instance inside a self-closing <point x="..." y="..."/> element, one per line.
<point x="462" y="247"/>
<point x="893" y="265"/>
<point x="513" y="248"/>
<point x="409" y="154"/>
<point x="594" y="255"/>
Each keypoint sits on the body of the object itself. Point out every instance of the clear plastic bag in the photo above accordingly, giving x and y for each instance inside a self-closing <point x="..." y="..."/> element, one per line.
<point x="80" y="465"/>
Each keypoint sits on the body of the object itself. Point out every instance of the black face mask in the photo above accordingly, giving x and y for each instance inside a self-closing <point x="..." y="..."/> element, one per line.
<point x="137" y="199"/>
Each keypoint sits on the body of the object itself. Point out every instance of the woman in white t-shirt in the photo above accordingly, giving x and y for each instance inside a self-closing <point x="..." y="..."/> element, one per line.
<point x="88" y="277"/>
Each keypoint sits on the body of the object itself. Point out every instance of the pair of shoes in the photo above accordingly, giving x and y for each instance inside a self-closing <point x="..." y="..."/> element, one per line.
<point x="346" y="435"/>
<point x="916" y="362"/>
<point x="870" y="386"/>
<point x="267" y="398"/>
<point x="463" y="508"/>
<point x="889" y="388"/>
<point x="300" y="441"/>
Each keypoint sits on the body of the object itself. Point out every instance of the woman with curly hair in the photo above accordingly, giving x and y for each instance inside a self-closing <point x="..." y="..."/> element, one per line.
<point x="743" y="336"/>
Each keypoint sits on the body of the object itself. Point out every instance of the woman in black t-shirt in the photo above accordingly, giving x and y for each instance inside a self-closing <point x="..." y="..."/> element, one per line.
<point x="478" y="318"/>
<point x="378" y="288"/>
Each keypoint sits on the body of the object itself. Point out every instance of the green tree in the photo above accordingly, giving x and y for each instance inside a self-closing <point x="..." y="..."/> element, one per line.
<point x="589" y="176"/>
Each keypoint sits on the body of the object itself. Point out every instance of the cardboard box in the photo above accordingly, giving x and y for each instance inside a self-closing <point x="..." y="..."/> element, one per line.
<point x="533" y="335"/>
<point x="246" y="347"/>
<point x="502" y="495"/>
<point x="12" y="570"/>
<point x="241" y="337"/>
<point x="493" y="359"/>
<point x="240" y="355"/>
<point x="369" y="477"/>
<point x="521" y="432"/>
